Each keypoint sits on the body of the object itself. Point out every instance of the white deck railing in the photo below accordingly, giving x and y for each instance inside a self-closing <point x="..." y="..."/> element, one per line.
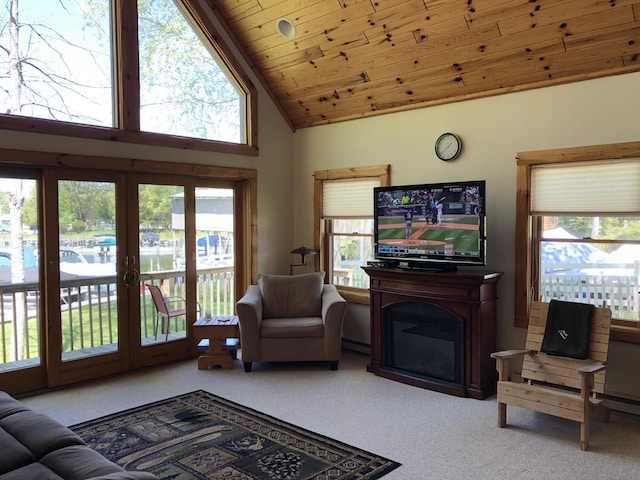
<point x="89" y="312"/>
<point x="597" y="283"/>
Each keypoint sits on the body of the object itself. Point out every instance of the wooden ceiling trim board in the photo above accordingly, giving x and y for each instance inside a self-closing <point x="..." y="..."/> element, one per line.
<point x="508" y="61"/>
<point x="277" y="55"/>
<point x="326" y="31"/>
<point x="430" y="25"/>
<point x="427" y="31"/>
<point x="306" y="75"/>
<point x="234" y="10"/>
<point x="631" y="60"/>
<point x="294" y="10"/>
<point x="252" y="38"/>
<point x="609" y="50"/>
<point x="604" y="36"/>
<point x="565" y="22"/>
<point x="489" y="12"/>
<point x="567" y="73"/>
<point x="440" y="100"/>
<point x="379" y="91"/>
<point x="525" y="71"/>
<point x="272" y="48"/>
<point x="381" y="5"/>
<point x="555" y="66"/>
<point x="434" y="61"/>
<point x="363" y="58"/>
<point x="374" y="107"/>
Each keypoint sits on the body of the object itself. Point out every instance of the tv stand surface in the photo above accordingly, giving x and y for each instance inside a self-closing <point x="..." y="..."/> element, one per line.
<point x="412" y="265"/>
<point x="428" y="267"/>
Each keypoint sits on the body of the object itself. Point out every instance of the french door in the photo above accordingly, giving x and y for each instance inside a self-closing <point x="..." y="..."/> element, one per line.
<point x="99" y="240"/>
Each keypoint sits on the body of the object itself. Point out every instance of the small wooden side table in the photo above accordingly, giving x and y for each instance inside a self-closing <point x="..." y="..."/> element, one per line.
<point x="217" y="330"/>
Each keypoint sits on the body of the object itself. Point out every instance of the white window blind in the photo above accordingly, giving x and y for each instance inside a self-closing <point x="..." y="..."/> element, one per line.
<point x="586" y="188"/>
<point x="348" y="198"/>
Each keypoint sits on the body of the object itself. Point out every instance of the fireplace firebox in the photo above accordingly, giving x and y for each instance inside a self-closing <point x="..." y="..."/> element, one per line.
<point x="434" y="330"/>
<point x="424" y="340"/>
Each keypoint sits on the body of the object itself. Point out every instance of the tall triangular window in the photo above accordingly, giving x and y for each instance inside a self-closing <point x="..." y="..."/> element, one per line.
<point x="183" y="89"/>
<point x="147" y="67"/>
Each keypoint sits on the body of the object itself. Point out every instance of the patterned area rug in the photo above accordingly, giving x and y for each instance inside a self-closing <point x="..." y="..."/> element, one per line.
<point x="201" y="436"/>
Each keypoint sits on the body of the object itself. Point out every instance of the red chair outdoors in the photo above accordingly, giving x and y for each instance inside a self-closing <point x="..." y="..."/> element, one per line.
<point x="164" y="309"/>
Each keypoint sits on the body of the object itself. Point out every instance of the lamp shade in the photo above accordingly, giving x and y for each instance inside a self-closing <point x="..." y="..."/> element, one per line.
<point x="303" y="251"/>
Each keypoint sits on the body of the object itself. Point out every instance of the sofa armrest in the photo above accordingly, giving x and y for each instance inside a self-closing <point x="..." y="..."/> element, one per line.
<point x="249" y="310"/>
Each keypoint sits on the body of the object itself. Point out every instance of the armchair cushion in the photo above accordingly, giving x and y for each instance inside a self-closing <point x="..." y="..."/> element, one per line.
<point x="291" y="296"/>
<point x="292" y="327"/>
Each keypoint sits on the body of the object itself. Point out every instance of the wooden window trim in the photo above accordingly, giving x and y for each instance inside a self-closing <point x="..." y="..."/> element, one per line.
<point x="383" y="172"/>
<point x="525" y="256"/>
<point x="127" y="93"/>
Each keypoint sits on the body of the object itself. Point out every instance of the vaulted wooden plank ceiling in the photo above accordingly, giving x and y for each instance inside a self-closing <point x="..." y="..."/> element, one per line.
<point x="353" y="58"/>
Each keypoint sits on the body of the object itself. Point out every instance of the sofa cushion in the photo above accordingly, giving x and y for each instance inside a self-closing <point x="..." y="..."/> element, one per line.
<point x="14" y="454"/>
<point x="291" y="296"/>
<point x="78" y="462"/>
<point x="292" y="327"/>
<point x="31" y="471"/>
<point x="49" y="434"/>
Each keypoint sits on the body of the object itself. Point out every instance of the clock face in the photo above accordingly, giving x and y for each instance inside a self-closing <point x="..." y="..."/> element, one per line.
<point x="448" y="147"/>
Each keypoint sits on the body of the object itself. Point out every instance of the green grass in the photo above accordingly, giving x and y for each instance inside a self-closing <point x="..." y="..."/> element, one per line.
<point x="462" y="240"/>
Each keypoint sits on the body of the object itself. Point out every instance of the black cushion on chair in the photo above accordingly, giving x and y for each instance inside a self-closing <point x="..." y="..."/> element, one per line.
<point x="568" y="329"/>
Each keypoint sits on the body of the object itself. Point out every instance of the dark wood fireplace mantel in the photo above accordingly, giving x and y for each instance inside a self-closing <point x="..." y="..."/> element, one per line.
<point x="469" y="295"/>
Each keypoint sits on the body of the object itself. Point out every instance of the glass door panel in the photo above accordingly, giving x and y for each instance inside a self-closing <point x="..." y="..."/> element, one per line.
<point x="161" y="213"/>
<point x="21" y="313"/>
<point x="87" y="268"/>
<point x="215" y="262"/>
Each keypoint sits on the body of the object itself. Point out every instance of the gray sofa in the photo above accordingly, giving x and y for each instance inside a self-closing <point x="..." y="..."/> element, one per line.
<point x="33" y="446"/>
<point x="291" y="318"/>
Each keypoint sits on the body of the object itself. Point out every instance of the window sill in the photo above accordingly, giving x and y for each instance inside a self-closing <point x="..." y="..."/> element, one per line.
<point x="354" y="295"/>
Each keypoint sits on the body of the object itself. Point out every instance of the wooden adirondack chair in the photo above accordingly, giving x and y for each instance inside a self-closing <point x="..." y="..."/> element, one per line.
<point x="561" y="386"/>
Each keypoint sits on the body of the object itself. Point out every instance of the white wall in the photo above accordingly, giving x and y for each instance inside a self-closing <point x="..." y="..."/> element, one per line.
<point x="493" y="130"/>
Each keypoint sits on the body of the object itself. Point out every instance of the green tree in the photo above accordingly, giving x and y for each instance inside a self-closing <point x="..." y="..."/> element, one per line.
<point x="154" y="202"/>
<point x="183" y="90"/>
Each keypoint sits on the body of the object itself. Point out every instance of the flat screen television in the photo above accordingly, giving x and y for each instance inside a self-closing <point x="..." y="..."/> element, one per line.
<point x="436" y="225"/>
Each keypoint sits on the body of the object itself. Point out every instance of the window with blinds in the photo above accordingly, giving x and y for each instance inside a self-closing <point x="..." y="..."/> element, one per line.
<point x="344" y="213"/>
<point x="588" y="243"/>
<point x="586" y="188"/>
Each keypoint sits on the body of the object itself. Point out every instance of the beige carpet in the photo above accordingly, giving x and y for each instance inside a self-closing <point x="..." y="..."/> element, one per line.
<point x="433" y="435"/>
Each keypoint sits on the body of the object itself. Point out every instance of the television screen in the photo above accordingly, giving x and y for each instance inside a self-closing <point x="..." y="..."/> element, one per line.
<point x="442" y="223"/>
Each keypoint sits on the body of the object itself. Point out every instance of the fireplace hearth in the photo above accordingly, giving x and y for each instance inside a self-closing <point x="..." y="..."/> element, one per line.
<point x="434" y="330"/>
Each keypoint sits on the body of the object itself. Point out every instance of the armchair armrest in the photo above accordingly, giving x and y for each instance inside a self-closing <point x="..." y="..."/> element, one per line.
<point x="249" y="310"/>
<point x="502" y="362"/>
<point x="592" y="368"/>
<point x="333" y="309"/>
<point x="333" y="305"/>
<point x="506" y="354"/>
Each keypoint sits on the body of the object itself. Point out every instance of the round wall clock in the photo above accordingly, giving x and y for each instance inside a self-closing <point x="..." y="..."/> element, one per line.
<point x="448" y="147"/>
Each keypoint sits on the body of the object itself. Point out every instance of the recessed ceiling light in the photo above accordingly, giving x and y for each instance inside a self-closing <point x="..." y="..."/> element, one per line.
<point x="286" y="28"/>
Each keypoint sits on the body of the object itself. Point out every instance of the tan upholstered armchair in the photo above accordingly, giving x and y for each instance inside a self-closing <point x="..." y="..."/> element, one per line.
<point x="291" y="318"/>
